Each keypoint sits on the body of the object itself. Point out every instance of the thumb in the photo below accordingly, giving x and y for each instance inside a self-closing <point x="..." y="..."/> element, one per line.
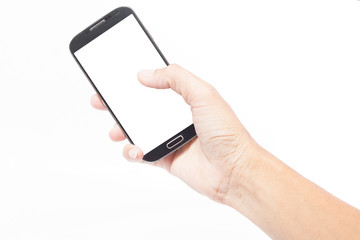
<point x="194" y="90"/>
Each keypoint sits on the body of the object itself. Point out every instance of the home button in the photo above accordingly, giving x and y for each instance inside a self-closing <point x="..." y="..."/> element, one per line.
<point x="175" y="142"/>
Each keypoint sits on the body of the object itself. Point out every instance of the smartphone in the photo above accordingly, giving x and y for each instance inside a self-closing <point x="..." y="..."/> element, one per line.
<point x="110" y="52"/>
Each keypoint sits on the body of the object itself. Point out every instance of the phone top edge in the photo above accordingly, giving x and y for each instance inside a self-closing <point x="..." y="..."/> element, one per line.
<point x="93" y="31"/>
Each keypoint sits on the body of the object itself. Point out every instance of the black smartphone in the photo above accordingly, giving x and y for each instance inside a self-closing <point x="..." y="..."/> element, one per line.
<point x="110" y="52"/>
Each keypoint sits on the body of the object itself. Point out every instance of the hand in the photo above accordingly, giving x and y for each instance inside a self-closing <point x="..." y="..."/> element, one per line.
<point x="209" y="162"/>
<point x="227" y="165"/>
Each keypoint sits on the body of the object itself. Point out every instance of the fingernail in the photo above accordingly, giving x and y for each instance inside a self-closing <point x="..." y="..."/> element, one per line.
<point x="146" y="75"/>
<point x="133" y="154"/>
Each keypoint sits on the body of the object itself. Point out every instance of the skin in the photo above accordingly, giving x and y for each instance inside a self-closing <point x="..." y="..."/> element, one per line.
<point x="227" y="165"/>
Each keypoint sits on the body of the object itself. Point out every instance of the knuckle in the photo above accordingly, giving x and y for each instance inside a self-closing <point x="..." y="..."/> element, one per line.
<point x="172" y="70"/>
<point x="173" y="67"/>
<point x="158" y="71"/>
<point x="209" y="90"/>
<point x="169" y="74"/>
<point x="206" y="95"/>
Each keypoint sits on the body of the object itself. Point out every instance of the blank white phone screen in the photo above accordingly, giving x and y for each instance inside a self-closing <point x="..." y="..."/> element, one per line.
<point x="112" y="61"/>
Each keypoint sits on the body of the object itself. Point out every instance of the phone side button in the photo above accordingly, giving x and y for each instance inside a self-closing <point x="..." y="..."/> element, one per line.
<point x="175" y="142"/>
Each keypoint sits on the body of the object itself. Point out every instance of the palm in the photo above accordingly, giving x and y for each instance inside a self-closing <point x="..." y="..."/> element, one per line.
<point x="191" y="165"/>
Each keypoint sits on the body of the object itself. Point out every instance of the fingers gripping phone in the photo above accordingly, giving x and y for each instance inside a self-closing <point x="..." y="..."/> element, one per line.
<point x="110" y="52"/>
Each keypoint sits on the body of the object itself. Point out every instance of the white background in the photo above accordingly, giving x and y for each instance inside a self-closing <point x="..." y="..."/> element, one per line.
<point x="289" y="69"/>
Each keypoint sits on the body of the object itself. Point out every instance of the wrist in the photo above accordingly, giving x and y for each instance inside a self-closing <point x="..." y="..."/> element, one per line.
<point x="259" y="189"/>
<point x="245" y="175"/>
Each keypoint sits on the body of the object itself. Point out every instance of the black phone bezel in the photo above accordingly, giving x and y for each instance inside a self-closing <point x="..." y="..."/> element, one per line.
<point x="95" y="30"/>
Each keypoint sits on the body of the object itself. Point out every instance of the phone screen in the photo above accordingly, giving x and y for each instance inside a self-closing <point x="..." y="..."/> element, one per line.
<point x="112" y="61"/>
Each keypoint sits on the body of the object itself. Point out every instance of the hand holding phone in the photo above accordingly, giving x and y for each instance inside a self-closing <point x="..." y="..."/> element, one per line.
<point x="222" y="147"/>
